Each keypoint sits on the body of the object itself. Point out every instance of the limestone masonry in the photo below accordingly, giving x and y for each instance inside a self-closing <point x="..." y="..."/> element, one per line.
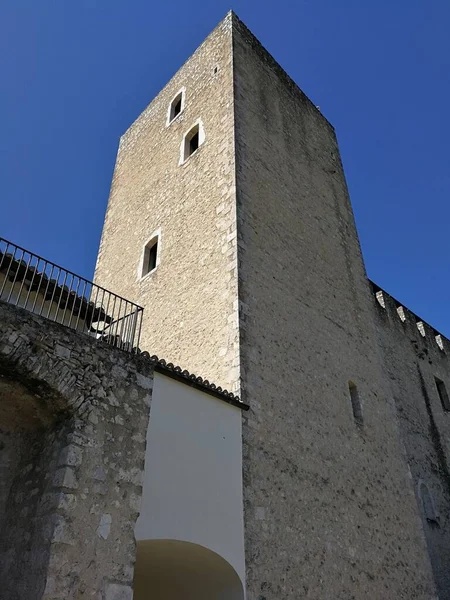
<point x="229" y="222"/>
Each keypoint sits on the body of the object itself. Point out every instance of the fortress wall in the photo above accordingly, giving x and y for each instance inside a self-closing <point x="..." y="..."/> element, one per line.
<point x="329" y="503"/>
<point x="414" y="358"/>
<point x="73" y="420"/>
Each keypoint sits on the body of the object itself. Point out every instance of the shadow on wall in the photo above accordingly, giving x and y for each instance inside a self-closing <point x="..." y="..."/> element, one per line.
<point x="170" y="570"/>
<point x="29" y="439"/>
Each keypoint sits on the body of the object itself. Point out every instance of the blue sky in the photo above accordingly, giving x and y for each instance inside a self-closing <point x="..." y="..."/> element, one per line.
<point x="76" y="74"/>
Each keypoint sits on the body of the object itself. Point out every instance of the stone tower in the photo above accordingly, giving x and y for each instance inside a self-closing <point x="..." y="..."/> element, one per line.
<point x="229" y="221"/>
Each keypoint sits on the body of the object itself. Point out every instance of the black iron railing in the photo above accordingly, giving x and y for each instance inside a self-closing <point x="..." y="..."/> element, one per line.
<point x="44" y="288"/>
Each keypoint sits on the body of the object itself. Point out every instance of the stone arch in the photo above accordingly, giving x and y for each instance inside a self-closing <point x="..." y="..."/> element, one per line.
<point x="173" y="569"/>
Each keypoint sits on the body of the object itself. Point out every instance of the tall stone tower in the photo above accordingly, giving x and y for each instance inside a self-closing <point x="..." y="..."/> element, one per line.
<point x="229" y="221"/>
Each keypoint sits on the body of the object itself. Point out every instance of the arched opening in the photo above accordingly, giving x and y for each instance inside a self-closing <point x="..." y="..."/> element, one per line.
<point x="171" y="569"/>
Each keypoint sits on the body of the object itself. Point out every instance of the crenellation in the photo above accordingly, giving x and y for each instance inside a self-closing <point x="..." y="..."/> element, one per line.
<point x="401" y="312"/>
<point x="415" y="361"/>
<point x="439" y="341"/>
<point x="411" y="324"/>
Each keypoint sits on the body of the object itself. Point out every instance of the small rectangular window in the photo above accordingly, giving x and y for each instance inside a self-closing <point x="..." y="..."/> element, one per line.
<point x="153" y="253"/>
<point x="150" y="259"/>
<point x="193" y="143"/>
<point x="442" y="391"/>
<point x="176" y="107"/>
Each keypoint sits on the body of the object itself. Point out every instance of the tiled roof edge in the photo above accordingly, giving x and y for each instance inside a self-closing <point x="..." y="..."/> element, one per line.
<point x="193" y="380"/>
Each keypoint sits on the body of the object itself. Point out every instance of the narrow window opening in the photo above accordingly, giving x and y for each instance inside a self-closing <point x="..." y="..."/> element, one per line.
<point x="150" y="261"/>
<point x="356" y="403"/>
<point x="153" y="253"/>
<point x="192" y="142"/>
<point x="442" y="391"/>
<point x="176" y="107"/>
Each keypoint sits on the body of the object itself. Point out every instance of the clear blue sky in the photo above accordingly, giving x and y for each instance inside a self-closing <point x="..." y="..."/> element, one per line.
<point x="74" y="75"/>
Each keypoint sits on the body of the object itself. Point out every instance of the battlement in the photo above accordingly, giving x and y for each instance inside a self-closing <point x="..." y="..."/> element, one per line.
<point x="411" y="323"/>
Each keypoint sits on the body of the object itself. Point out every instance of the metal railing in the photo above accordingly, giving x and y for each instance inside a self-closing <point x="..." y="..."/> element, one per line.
<point x="44" y="288"/>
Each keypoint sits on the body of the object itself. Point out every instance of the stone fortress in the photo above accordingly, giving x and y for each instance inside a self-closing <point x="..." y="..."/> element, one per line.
<point x="316" y="465"/>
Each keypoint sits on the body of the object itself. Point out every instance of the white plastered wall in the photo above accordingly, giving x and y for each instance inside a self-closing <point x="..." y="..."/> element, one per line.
<point x="193" y="472"/>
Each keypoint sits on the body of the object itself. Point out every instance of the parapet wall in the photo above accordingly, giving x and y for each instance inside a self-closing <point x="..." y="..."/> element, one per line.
<point x="413" y="325"/>
<point x="416" y="359"/>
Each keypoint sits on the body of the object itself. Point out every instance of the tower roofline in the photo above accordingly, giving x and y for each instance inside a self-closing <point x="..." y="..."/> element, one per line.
<point x="238" y="24"/>
<point x="229" y="16"/>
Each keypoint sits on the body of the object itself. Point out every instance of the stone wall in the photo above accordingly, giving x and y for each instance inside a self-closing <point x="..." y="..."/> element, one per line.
<point x="190" y="309"/>
<point x="73" y="420"/>
<point x="261" y="285"/>
<point x="329" y="504"/>
<point x="413" y="362"/>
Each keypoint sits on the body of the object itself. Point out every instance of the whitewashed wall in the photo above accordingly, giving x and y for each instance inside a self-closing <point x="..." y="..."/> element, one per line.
<point x="193" y="472"/>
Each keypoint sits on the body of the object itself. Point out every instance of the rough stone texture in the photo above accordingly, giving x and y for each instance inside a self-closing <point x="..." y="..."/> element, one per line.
<point x="329" y="506"/>
<point x="191" y="314"/>
<point x="258" y="239"/>
<point x="412" y="362"/>
<point x="74" y="415"/>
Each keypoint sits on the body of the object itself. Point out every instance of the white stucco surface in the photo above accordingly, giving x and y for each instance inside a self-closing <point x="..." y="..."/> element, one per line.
<point x="193" y="472"/>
